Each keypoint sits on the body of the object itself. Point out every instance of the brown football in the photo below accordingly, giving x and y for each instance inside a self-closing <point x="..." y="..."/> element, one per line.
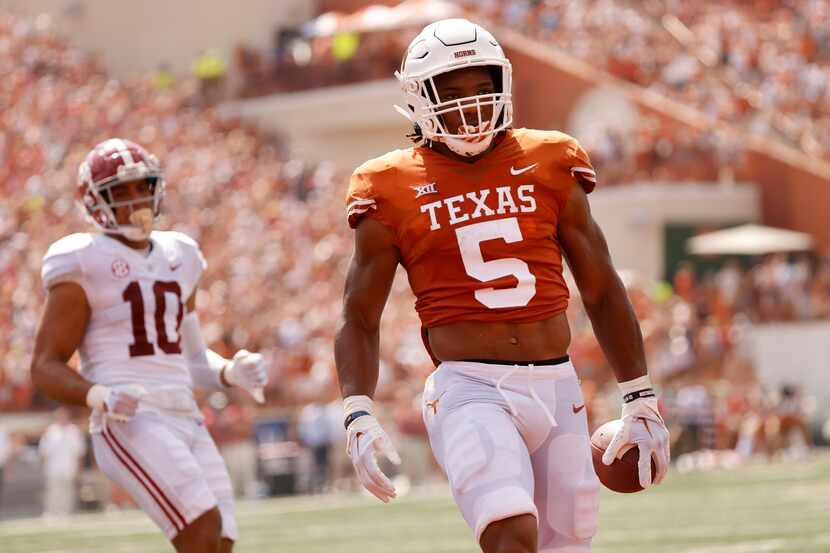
<point x="622" y="475"/>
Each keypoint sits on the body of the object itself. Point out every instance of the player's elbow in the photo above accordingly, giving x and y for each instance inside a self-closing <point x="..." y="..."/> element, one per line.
<point x="355" y="317"/>
<point x="357" y="323"/>
<point x="603" y="294"/>
<point x="39" y="372"/>
<point x="597" y="295"/>
<point x="593" y="302"/>
<point x="594" y="295"/>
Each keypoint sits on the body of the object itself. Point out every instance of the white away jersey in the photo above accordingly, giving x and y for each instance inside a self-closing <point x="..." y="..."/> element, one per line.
<point x="137" y="304"/>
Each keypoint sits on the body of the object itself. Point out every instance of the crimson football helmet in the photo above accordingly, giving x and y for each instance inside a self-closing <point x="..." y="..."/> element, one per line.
<point x="109" y="164"/>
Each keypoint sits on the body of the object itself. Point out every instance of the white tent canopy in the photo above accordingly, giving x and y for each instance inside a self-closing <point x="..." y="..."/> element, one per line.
<point x="749" y="240"/>
<point x="409" y="13"/>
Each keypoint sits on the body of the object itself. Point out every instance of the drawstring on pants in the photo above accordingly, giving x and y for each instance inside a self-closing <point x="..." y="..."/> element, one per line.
<point x="504" y="377"/>
<point x="538" y="400"/>
<point x="531" y="390"/>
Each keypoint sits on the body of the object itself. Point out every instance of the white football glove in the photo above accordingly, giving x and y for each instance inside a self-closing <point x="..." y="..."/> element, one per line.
<point x="247" y="370"/>
<point x="365" y="440"/>
<point x="644" y="428"/>
<point x="119" y="403"/>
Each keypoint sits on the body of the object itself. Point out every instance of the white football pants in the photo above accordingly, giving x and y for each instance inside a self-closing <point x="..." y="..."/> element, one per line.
<point x="512" y="440"/>
<point x="170" y="466"/>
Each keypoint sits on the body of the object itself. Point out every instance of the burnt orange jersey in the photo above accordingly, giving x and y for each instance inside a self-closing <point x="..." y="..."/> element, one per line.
<point x="478" y="240"/>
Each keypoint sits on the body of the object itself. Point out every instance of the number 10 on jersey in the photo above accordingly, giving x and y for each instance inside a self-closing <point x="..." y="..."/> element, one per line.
<point x="141" y="345"/>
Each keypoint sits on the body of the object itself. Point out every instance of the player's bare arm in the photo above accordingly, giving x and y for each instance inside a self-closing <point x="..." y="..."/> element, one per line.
<point x="60" y="333"/>
<point x="368" y="282"/>
<point x="356" y="347"/>
<point x="619" y="335"/>
<point x="61" y="330"/>
<point x="603" y="293"/>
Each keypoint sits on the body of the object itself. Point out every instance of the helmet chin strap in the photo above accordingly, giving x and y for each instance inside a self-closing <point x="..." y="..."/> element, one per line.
<point x="466" y="148"/>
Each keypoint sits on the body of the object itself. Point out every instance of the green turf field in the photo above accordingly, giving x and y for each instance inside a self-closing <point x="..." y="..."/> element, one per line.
<point x="758" y="509"/>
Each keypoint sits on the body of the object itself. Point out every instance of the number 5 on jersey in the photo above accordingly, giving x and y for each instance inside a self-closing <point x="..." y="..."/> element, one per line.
<point x="469" y="242"/>
<point x="142" y="346"/>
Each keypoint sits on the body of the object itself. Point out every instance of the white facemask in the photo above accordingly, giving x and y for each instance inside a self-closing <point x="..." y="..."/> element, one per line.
<point x="469" y="147"/>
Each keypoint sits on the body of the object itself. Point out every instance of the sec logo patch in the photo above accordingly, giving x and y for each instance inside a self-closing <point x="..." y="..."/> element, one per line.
<point x="120" y="268"/>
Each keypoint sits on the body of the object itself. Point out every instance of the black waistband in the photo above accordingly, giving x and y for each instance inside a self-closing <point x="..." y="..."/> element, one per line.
<point x="543" y="362"/>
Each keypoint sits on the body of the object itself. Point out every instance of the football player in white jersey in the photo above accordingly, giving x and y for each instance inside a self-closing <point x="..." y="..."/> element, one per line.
<point x="124" y="298"/>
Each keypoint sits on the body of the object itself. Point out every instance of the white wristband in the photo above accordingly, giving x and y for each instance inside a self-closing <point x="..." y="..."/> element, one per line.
<point x="358" y="403"/>
<point x="96" y="397"/>
<point x="635" y="385"/>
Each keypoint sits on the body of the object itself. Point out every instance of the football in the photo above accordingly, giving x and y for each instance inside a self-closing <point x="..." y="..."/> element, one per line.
<point x="621" y="475"/>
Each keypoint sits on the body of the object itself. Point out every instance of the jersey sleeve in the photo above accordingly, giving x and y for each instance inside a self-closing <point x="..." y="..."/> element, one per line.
<point x="63" y="263"/>
<point x="193" y="257"/>
<point x="361" y="199"/>
<point x="580" y="166"/>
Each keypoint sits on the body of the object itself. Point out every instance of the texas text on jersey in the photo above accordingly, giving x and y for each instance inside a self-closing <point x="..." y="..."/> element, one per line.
<point x="457" y="225"/>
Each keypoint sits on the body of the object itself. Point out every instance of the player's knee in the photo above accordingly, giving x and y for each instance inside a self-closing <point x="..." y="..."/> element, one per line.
<point x="512" y="535"/>
<point x="201" y="535"/>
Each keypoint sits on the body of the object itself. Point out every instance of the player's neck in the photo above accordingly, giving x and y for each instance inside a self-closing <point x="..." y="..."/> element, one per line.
<point x="140" y="245"/>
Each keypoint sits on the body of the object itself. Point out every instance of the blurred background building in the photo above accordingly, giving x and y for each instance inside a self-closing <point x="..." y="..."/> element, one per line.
<point x="699" y="116"/>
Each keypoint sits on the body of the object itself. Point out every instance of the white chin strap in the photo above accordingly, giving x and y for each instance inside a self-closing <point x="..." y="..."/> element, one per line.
<point x="480" y="138"/>
<point x="467" y="149"/>
<point x="464" y="147"/>
<point x="141" y="227"/>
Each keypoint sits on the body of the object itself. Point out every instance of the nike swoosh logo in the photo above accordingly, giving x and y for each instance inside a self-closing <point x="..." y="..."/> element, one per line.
<point x="174" y="267"/>
<point x="514" y="171"/>
<point x="577" y="408"/>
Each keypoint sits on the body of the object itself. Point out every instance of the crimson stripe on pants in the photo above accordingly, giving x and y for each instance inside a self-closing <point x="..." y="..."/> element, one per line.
<point x="166" y="505"/>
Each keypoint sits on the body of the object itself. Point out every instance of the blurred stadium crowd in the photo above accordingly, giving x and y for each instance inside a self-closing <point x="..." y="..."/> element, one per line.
<point x="763" y="65"/>
<point x="273" y="232"/>
<point x="228" y="184"/>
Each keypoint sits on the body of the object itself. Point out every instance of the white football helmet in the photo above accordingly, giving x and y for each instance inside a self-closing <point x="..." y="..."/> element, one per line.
<point x="442" y="47"/>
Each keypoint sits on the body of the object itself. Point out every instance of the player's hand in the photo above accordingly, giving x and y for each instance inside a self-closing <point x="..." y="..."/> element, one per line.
<point x="365" y="440"/>
<point x="120" y="403"/>
<point x="644" y="428"/>
<point x="247" y="370"/>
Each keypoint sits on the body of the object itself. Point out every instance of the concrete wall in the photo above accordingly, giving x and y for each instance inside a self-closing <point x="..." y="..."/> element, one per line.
<point x="634" y="217"/>
<point x="350" y="6"/>
<point x="345" y="124"/>
<point x="138" y="36"/>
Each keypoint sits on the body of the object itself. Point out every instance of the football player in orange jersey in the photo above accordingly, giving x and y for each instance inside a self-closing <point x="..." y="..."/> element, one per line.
<point x="481" y="215"/>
